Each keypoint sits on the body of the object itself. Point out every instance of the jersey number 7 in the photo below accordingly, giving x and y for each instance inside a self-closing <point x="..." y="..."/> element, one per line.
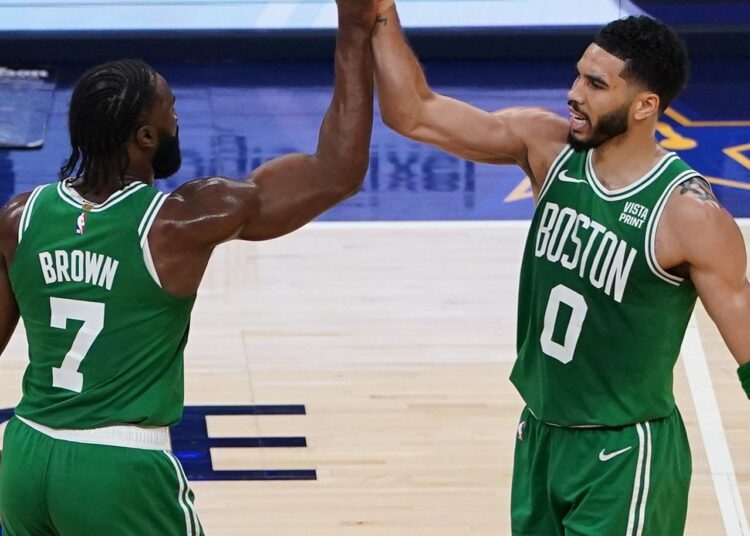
<point x="92" y="316"/>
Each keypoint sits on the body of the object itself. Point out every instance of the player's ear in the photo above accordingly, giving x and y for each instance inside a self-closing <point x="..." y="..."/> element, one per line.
<point x="646" y="105"/>
<point x="146" y="137"/>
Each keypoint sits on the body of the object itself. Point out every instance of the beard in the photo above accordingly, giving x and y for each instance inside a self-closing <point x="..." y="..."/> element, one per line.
<point x="168" y="157"/>
<point x="609" y="126"/>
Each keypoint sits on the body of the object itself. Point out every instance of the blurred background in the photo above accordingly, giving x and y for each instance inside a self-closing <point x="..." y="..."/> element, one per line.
<point x="253" y="80"/>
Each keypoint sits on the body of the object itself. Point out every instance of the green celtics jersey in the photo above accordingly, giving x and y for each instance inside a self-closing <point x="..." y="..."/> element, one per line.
<point x="105" y="340"/>
<point x="600" y="323"/>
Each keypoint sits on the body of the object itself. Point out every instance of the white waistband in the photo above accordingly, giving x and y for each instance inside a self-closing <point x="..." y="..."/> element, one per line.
<point x="133" y="437"/>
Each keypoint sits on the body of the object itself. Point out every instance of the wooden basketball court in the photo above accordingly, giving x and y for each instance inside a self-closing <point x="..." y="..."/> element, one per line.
<point x="398" y="339"/>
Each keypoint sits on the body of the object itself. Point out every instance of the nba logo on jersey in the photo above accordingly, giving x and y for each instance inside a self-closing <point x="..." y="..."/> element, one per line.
<point x="81" y="223"/>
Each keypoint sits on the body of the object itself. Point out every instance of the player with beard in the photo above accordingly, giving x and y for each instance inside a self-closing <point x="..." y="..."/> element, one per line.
<point x="104" y="269"/>
<point x="625" y="237"/>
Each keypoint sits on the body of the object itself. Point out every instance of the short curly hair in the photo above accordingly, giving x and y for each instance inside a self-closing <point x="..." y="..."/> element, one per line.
<point x="653" y="53"/>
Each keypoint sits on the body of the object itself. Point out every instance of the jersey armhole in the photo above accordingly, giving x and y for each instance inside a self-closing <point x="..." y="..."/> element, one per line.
<point x="27" y="212"/>
<point x="144" y="228"/>
<point x="653" y="225"/>
<point x="554" y="169"/>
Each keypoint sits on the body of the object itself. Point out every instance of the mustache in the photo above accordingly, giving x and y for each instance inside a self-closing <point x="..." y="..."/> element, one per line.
<point x="573" y="104"/>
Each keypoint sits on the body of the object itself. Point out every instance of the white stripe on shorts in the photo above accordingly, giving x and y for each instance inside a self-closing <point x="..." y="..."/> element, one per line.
<point x="189" y="530"/>
<point x="646" y="481"/>
<point x="190" y="505"/>
<point x="637" y="483"/>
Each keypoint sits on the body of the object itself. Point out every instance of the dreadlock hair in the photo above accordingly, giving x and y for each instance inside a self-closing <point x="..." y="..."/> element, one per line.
<point x="105" y="111"/>
<point x="653" y="53"/>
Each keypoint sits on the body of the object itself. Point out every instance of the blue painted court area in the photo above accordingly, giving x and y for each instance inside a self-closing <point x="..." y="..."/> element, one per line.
<point x="235" y="117"/>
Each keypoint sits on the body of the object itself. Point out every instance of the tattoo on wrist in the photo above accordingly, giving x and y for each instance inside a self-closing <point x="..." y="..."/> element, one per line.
<point x="380" y="19"/>
<point x="698" y="188"/>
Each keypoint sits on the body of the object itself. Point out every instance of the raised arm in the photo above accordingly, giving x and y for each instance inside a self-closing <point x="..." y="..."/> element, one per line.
<point x="285" y="193"/>
<point x="410" y="107"/>
<point x="292" y="190"/>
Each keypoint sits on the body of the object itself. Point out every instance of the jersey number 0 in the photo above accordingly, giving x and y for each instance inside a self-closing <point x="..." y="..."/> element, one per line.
<point x="563" y="352"/>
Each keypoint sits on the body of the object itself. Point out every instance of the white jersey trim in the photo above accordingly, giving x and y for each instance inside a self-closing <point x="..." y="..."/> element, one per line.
<point x="150" y="216"/>
<point x="134" y="437"/>
<point x="631" y="189"/>
<point x="562" y="157"/>
<point x="147" y="214"/>
<point x="73" y="198"/>
<point x="148" y="260"/>
<point x="653" y="224"/>
<point x="27" y="211"/>
<point x="143" y="229"/>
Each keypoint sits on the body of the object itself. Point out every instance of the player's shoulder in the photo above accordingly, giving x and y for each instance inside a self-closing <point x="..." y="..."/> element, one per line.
<point x="543" y="131"/>
<point x="10" y="220"/>
<point x="201" y="201"/>
<point x="212" y="190"/>
<point x="10" y="215"/>
<point x="544" y="135"/>
<point x="693" y="210"/>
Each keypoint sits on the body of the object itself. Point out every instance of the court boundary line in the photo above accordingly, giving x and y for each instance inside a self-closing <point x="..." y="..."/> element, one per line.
<point x="417" y="225"/>
<point x="438" y="224"/>
<point x="712" y="432"/>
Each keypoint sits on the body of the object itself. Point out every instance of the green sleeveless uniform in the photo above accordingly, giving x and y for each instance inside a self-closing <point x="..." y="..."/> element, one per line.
<point x="105" y="349"/>
<point x="600" y="325"/>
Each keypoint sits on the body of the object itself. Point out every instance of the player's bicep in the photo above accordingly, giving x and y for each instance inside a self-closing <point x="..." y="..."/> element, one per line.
<point x="292" y="190"/>
<point x="204" y="213"/>
<point x="277" y="198"/>
<point x="718" y="262"/>
<point x="465" y="131"/>
<point x="502" y="137"/>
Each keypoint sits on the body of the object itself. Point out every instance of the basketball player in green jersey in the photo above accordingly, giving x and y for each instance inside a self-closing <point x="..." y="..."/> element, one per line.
<point x="624" y="238"/>
<point x="104" y="269"/>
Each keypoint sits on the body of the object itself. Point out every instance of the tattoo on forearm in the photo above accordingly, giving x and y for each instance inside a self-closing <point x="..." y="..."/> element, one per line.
<point x="380" y="19"/>
<point x="698" y="188"/>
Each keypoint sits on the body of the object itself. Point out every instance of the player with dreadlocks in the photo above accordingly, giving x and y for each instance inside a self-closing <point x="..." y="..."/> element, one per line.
<point x="104" y="269"/>
<point x="118" y="92"/>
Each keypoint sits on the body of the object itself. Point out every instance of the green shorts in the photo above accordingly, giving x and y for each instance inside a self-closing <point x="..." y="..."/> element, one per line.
<point x="627" y="481"/>
<point x="63" y="488"/>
